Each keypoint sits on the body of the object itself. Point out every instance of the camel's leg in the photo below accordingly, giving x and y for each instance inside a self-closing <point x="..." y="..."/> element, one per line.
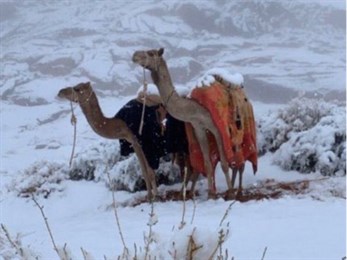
<point x="151" y="178"/>
<point x="230" y="194"/>
<point x="180" y="160"/>
<point x="223" y="160"/>
<point x="191" y="175"/>
<point x="233" y="178"/>
<point x="205" y="149"/>
<point x="143" y="164"/>
<point x="193" y="178"/>
<point x="240" y="169"/>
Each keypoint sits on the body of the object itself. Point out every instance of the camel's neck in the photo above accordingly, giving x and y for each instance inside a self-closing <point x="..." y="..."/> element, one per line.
<point x="103" y="126"/>
<point x="162" y="79"/>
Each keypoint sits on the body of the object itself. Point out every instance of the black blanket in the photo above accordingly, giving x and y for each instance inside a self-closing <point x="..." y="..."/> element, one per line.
<point x="154" y="144"/>
<point x="151" y="139"/>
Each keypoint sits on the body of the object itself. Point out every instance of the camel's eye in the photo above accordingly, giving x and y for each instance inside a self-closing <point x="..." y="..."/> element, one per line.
<point x="151" y="54"/>
<point x="78" y="90"/>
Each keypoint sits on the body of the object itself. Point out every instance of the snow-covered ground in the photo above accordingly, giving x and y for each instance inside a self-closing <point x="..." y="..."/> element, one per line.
<point x="284" y="50"/>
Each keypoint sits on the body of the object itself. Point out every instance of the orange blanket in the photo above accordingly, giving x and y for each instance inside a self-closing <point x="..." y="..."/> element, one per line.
<point x="233" y="116"/>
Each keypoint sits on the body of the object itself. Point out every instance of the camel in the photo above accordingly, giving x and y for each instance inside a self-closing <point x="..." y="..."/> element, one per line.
<point x="186" y="110"/>
<point x="111" y="128"/>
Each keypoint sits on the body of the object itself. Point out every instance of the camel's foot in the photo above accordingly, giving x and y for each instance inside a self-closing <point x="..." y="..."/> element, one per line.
<point x="187" y="196"/>
<point x="149" y="197"/>
<point x="229" y="194"/>
<point x="152" y="196"/>
<point x="212" y="195"/>
<point x="239" y="194"/>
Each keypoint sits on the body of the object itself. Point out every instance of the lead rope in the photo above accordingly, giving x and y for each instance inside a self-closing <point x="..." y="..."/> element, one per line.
<point x="74" y="123"/>
<point x="144" y="101"/>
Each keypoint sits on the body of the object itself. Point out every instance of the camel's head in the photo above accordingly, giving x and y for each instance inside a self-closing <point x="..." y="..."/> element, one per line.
<point x="148" y="59"/>
<point x="78" y="94"/>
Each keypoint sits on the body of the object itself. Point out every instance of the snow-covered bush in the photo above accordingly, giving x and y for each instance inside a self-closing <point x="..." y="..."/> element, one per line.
<point x="12" y="247"/>
<point x="308" y="135"/>
<point x="126" y="175"/>
<point x="40" y="179"/>
<point x="189" y="242"/>
<point x="125" y="172"/>
<point x="92" y="163"/>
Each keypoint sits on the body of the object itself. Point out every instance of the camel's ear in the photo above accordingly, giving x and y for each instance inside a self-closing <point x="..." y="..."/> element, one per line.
<point x="160" y="51"/>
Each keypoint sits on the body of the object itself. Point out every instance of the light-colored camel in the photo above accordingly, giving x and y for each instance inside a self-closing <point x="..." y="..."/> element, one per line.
<point x="111" y="128"/>
<point x="186" y="110"/>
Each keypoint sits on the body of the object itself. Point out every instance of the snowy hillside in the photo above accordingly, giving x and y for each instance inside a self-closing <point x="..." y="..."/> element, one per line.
<point x="290" y="44"/>
<point x="292" y="55"/>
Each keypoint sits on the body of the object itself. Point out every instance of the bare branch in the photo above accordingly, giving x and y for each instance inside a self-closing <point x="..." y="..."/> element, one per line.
<point x="192" y="247"/>
<point x="47" y="225"/>
<point x="126" y="251"/>
<point x="13" y="244"/>
<point x="263" y="257"/>
<point x="194" y="209"/>
<point x="74" y="123"/>
<point x="184" y="193"/>
<point x="226" y="212"/>
<point x="151" y="222"/>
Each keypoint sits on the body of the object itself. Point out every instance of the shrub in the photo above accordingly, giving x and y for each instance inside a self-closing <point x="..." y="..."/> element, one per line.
<point x="40" y="179"/>
<point x="308" y="135"/>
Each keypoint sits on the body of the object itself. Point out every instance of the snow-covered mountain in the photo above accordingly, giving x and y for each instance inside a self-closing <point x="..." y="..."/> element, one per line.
<point x="279" y="46"/>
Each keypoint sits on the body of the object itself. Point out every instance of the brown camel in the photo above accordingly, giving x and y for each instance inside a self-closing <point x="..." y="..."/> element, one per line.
<point x="186" y="110"/>
<point x="111" y="128"/>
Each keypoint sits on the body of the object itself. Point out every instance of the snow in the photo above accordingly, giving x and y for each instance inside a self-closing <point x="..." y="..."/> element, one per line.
<point x="231" y="77"/>
<point x="46" y="47"/>
<point x="151" y="89"/>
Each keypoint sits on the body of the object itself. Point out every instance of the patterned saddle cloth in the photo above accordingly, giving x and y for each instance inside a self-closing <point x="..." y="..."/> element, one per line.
<point x="233" y="116"/>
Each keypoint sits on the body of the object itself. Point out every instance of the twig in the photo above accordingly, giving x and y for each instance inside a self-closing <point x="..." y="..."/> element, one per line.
<point x="222" y="235"/>
<point x="47" y="225"/>
<point x="226" y="254"/>
<point x="184" y="193"/>
<point x="151" y="223"/>
<point x="263" y="257"/>
<point x="144" y="102"/>
<point x="13" y="244"/>
<point x="194" y="209"/>
<point x="192" y="247"/>
<point x="86" y="255"/>
<point x="174" y="253"/>
<point x="66" y="253"/>
<point x="135" y="252"/>
<point x="226" y="212"/>
<point x="116" y="216"/>
<point x="221" y="240"/>
<point x="74" y="123"/>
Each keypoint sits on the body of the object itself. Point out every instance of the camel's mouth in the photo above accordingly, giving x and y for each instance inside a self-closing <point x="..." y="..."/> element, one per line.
<point x="67" y="93"/>
<point x="136" y="58"/>
<point x="61" y="94"/>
